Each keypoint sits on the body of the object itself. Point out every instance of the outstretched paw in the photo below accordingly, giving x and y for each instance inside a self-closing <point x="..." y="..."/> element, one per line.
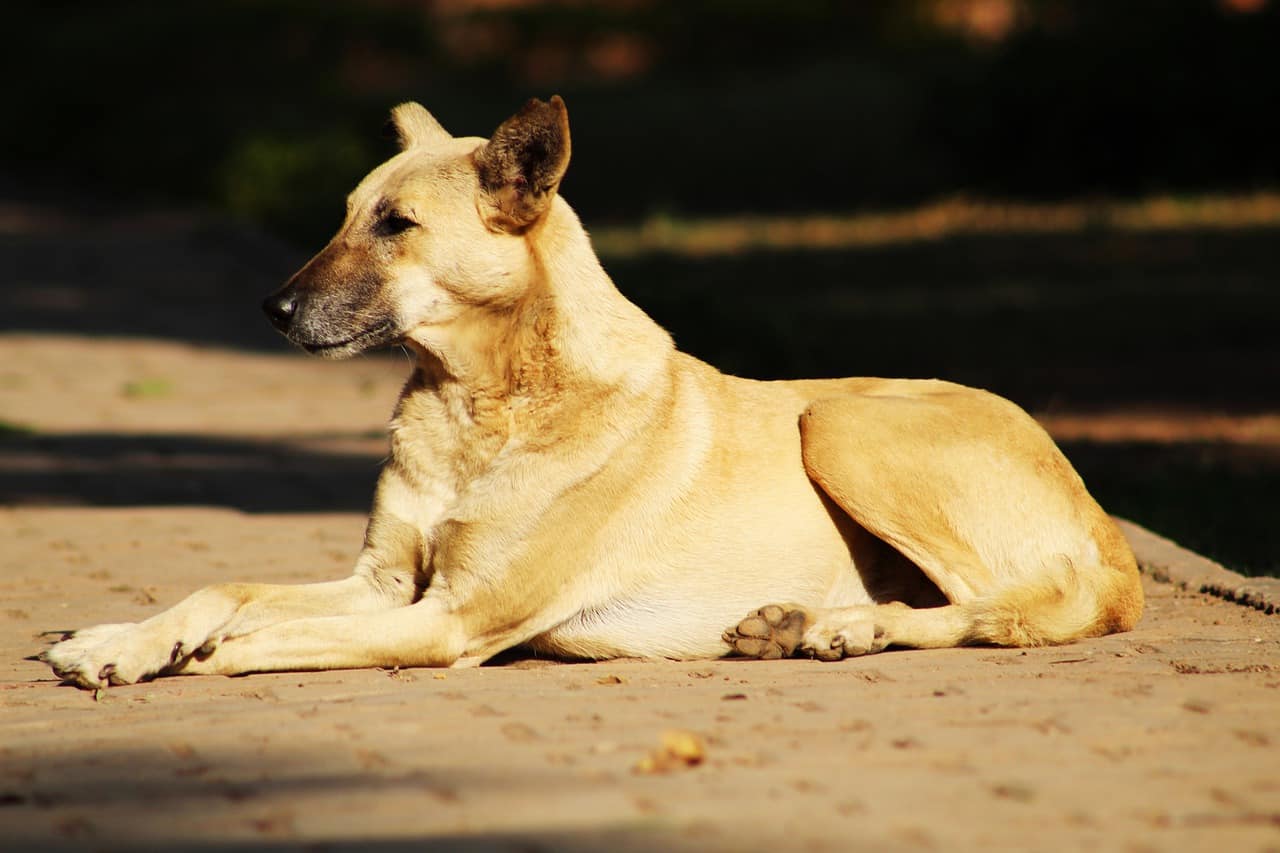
<point x="106" y="655"/>
<point x="772" y="632"/>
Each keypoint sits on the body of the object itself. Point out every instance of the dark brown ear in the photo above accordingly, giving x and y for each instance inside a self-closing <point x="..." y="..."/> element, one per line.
<point x="522" y="163"/>
<point x="412" y="125"/>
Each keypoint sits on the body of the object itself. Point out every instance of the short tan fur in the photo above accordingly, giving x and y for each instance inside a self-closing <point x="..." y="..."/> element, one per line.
<point x="562" y="478"/>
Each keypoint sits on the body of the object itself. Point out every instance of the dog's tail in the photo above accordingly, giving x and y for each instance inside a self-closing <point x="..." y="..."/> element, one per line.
<point x="1063" y="605"/>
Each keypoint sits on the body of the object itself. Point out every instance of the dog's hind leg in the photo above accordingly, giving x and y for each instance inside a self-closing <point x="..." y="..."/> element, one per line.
<point x="973" y="492"/>
<point x="1058" y="608"/>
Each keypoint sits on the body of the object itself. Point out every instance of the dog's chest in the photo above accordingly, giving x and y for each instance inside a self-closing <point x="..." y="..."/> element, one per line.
<point x="478" y="506"/>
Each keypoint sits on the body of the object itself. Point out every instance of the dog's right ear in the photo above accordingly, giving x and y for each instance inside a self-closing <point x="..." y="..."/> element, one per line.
<point x="412" y="125"/>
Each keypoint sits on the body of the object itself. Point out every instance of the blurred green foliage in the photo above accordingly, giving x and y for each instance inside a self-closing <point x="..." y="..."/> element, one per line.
<point x="271" y="108"/>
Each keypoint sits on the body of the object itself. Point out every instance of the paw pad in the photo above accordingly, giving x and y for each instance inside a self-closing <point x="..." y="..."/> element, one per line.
<point x="770" y="633"/>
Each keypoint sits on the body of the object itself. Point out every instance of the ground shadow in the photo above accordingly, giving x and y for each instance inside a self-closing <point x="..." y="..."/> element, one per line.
<point x="163" y="274"/>
<point x="71" y="792"/>
<point x="1214" y="497"/>
<point x="104" y="469"/>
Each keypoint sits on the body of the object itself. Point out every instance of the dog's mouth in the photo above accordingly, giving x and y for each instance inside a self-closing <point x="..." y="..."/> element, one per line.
<point x="379" y="335"/>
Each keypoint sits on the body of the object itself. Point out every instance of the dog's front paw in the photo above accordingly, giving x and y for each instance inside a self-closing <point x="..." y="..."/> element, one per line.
<point x="109" y="654"/>
<point x="772" y="632"/>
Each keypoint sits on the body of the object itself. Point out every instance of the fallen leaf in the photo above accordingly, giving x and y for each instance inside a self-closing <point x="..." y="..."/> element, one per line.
<point x="1015" y="791"/>
<point x="679" y="749"/>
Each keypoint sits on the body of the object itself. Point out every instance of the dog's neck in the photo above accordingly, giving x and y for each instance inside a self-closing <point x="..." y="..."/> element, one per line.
<point x="570" y="339"/>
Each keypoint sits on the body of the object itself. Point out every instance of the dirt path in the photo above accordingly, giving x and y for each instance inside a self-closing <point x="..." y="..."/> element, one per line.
<point x="137" y="469"/>
<point x="1161" y="739"/>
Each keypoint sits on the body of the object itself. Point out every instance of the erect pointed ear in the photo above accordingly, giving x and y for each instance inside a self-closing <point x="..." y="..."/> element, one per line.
<point x="522" y="163"/>
<point x="413" y="125"/>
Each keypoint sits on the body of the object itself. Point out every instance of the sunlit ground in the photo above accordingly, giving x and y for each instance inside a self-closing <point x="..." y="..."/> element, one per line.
<point x="951" y="218"/>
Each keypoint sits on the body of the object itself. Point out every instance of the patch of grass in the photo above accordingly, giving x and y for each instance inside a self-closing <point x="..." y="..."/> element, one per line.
<point x="8" y="429"/>
<point x="149" y="388"/>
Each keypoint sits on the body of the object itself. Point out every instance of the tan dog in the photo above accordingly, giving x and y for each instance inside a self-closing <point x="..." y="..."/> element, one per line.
<point x="562" y="478"/>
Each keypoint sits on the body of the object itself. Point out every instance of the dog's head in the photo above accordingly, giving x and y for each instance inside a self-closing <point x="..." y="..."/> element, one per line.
<point x="436" y="231"/>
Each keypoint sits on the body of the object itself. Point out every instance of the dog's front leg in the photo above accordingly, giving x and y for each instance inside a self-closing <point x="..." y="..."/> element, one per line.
<point x="127" y="653"/>
<point x="427" y="633"/>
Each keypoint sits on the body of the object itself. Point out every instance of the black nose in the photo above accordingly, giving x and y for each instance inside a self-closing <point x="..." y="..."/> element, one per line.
<point x="280" y="308"/>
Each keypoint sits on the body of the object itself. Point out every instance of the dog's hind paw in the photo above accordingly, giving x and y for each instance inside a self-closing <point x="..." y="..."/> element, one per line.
<point x="772" y="632"/>
<point x="854" y="632"/>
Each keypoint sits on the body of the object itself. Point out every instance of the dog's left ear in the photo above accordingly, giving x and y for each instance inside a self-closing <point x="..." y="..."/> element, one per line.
<point x="410" y="124"/>
<point x="522" y="163"/>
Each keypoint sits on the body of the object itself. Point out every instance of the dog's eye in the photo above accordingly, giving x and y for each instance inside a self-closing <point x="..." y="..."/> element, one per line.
<point x="396" y="223"/>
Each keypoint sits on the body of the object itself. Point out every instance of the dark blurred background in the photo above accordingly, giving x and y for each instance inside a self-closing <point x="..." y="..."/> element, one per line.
<point x="1121" y="284"/>
<point x="270" y="108"/>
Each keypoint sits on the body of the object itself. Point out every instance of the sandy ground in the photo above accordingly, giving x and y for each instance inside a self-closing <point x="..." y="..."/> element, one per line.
<point x="137" y="468"/>
<point x="1161" y="739"/>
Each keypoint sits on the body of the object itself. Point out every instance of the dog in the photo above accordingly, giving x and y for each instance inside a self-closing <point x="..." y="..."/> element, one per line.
<point x="562" y="479"/>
